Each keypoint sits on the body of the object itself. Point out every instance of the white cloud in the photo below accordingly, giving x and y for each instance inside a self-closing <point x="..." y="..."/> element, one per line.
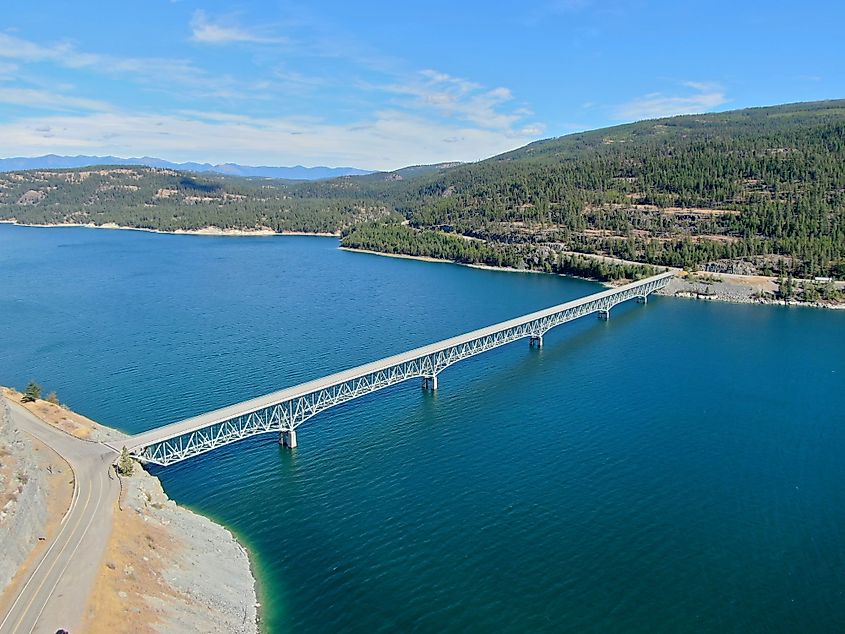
<point x="205" y="31"/>
<point x="67" y="55"/>
<point x="387" y="140"/>
<point x="704" y="96"/>
<point x="464" y="100"/>
<point x="402" y="118"/>
<point x="7" y="71"/>
<point x="47" y="99"/>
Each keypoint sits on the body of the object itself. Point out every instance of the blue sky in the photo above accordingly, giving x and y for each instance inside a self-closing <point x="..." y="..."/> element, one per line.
<point x="381" y="85"/>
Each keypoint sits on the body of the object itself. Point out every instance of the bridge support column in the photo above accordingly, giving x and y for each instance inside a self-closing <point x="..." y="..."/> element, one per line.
<point x="430" y="383"/>
<point x="642" y="299"/>
<point x="288" y="439"/>
<point x="536" y="341"/>
<point x="604" y="315"/>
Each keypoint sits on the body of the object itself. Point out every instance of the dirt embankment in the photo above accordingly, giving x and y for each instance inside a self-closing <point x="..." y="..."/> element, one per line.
<point x="166" y="569"/>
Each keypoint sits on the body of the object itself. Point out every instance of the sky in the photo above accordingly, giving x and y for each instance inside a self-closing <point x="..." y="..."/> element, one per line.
<point x="381" y="85"/>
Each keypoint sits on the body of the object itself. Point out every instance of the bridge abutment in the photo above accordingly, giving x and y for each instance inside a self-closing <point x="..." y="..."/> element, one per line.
<point x="288" y="439"/>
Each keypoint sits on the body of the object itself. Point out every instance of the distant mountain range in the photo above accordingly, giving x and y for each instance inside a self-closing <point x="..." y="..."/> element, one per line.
<point x="53" y="161"/>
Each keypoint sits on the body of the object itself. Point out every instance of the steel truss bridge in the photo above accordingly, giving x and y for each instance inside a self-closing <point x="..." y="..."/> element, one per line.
<point x="284" y="411"/>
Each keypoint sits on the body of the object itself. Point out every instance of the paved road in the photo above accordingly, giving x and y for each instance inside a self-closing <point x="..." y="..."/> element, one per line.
<point x="56" y="591"/>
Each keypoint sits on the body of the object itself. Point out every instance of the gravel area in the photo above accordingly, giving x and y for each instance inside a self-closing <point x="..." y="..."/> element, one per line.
<point x="737" y="289"/>
<point x="719" y="290"/>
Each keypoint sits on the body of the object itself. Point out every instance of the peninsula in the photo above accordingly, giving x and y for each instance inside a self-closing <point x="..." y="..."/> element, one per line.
<point x="134" y="552"/>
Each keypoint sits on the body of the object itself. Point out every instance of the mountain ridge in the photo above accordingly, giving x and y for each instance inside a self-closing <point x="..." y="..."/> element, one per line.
<point x="297" y="172"/>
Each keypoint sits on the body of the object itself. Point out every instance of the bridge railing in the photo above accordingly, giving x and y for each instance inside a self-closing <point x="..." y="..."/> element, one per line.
<point x="287" y="409"/>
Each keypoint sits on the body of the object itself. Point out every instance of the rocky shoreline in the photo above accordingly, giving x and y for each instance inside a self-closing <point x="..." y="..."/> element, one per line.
<point x="180" y="570"/>
<point x="734" y="289"/>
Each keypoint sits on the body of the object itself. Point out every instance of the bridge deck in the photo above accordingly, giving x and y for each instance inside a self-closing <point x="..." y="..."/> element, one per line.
<point x="160" y="434"/>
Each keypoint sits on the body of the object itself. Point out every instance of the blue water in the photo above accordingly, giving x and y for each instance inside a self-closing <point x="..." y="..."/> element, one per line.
<point x="679" y="468"/>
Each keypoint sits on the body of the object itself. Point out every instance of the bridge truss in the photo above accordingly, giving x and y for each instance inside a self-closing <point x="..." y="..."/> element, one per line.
<point x="284" y="411"/>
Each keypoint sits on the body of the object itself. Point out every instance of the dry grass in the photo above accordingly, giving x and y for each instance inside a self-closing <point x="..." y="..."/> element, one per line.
<point x="57" y="416"/>
<point x="137" y="553"/>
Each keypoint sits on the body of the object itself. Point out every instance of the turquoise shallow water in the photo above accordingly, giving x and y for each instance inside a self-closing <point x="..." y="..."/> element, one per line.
<point x="679" y="468"/>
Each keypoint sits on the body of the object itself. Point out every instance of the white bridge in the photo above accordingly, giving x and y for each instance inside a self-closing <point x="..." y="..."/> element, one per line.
<point x="283" y="411"/>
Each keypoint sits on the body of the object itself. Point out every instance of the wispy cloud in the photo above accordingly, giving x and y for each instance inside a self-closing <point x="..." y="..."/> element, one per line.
<point x="457" y="98"/>
<point x="227" y="31"/>
<point x="699" y="97"/>
<point x="381" y="113"/>
<point x="34" y="98"/>
<point x="179" y="77"/>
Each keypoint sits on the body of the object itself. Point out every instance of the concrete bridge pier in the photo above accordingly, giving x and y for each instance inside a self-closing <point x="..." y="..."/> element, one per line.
<point x="642" y="299"/>
<point x="536" y="341"/>
<point x="288" y="439"/>
<point x="430" y="382"/>
<point x="604" y="315"/>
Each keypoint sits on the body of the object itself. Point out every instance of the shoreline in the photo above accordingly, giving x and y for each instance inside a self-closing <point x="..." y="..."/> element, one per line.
<point x="205" y="231"/>
<point x="732" y="288"/>
<point x="481" y="267"/>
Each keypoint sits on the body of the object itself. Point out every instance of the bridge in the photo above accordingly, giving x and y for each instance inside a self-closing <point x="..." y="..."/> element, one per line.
<point x="284" y="411"/>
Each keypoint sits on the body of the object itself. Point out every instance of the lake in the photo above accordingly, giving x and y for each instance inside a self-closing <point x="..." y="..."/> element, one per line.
<point x="678" y="468"/>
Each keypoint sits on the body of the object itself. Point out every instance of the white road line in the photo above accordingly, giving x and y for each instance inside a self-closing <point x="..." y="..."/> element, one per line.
<point x="69" y="558"/>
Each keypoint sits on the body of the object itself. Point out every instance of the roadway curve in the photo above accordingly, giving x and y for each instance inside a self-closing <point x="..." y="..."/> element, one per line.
<point x="55" y="592"/>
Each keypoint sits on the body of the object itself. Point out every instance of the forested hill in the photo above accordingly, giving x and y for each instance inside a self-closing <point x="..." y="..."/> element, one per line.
<point x="757" y="190"/>
<point x="763" y="188"/>
<point x="169" y="200"/>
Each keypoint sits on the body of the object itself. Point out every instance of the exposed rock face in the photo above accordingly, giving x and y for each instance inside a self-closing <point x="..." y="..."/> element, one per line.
<point x="31" y="197"/>
<point x="23" y="498"/>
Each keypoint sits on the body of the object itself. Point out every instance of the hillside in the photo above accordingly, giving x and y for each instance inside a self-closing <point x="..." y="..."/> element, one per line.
<point x="764" y="185"/>
<point x="759" y="190"/>
<point x="169" y="200"/>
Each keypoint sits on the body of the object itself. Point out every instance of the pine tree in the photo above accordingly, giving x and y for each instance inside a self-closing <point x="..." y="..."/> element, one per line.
<point x="32" y="393"/>
<point x="125" y="464"/>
